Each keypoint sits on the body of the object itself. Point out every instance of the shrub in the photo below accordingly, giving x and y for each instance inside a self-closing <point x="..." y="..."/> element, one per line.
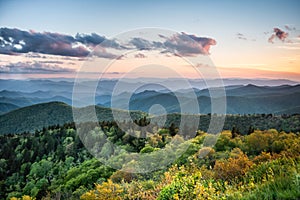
<point x="233" y="168"/>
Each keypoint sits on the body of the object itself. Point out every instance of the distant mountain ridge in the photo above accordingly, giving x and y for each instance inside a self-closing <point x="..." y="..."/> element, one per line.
<point x="241" y="99"/>
<point x="37" y="116"/>
<point x="249" y="99"/>
<point x="107" y="85"/>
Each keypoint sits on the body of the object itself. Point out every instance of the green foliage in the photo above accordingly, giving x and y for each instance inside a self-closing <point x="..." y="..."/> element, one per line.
<point x="147" y="149"/>
<point x="53" y="163"/>
<point x="182" y="186"/>
<point x="245" y="124"/>
<point x="232" y="175"/>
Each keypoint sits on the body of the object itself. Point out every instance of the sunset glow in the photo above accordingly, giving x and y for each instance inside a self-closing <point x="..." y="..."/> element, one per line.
<point x="242" y="43"/>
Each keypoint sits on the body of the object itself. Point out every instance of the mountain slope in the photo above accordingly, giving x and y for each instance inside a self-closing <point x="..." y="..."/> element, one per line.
<point x="27" y="101"/>
<point x="262" y="90"/>
<point x="247" y="99"/>
<point x="35" y="117"/>
<point x="38" y="116"/>
<point x="42" y="115"/>
<point x="275" y="103"/>
<point x="7" y="107"/>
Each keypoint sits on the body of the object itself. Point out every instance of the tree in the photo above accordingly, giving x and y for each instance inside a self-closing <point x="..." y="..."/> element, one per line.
<point x="107" y="190"/>
<point x="173" y="130"/>
<point x="233" y="168"/>
<point x="258" y="141"/>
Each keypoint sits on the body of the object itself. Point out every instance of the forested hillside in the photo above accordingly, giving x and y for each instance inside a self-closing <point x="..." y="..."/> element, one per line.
<point x="53" y="163"/>
<point x="37" y="116"/>
<point x="242" y="96"/>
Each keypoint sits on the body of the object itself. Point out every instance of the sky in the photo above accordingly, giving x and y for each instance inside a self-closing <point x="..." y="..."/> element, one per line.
<point x="240" y="39"/>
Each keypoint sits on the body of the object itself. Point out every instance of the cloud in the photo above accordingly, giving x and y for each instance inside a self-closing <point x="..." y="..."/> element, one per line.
<point x="289" y="47"/>
<point x="105" y="73"/>
<point x="180" y="44"/>
<point x="113" y="73"/>
<point x="278" y="33"/>
<point x="142" y="44"/>
<point x="289" y="28"/>
<point x="99" y="51"/>
<point x="48" y="43"/>
<point x="241" y="36"/>
<point x="52" y="62"/>
<point x="33" y="68"/>
<point x="14" y="41"/>
<point x="121" y="57"/>
<point x="203" y="65"/>
<point x="189" y="45"/>
<point x="93" y="39"/>
<point x="140" y="55"/>
<point x="34" y="55"/>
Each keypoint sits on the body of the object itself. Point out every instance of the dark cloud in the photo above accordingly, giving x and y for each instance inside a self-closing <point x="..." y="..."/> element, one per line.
<point x="93" y="39"/>
<point x="180" y="44"/>
<point x="241" y="36"/>
<point x="14" y="41"/>
<point x="188" y="45"/>
<point x="289" y="28"/>
<point x="278" y="33"/>
<point x="203" y="65"/>
<point x="52" y="62"/>
<point x="33" y="68"/>
<point x="162" y="36"/>
<point x="73" y="58"/>
<point x="47" y="43"/>
<point x="113" y="73"/>
<point x="106" y="73"/>
<point x="141" y="44"/>
<point x="99" y="51"/>
<point x="140" y="55"/>
<point x="34" y="55"/>
<point x="121" y="57"/>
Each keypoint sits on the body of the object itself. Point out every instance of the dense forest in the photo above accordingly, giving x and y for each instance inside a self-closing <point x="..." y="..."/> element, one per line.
<point x="37" y="116"/>
<point x="53" y="163"/>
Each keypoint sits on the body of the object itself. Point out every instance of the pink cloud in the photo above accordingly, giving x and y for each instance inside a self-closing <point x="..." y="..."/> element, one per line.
<point x="278" y="33"/>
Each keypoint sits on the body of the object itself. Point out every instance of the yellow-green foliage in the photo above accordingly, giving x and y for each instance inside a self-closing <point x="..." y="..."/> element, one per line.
<point x="263" y="165"/>
<point x="233" y="168"/>
<point x="25" y="197"/>
<point x="107" y="190"/>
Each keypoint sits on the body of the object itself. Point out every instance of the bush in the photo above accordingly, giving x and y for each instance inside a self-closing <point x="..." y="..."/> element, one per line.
<point x="233" y="168"/>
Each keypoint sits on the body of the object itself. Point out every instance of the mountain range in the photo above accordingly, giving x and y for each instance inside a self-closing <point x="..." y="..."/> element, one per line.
<point x="240" y="99"/>
<point x="38" y="116"/>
